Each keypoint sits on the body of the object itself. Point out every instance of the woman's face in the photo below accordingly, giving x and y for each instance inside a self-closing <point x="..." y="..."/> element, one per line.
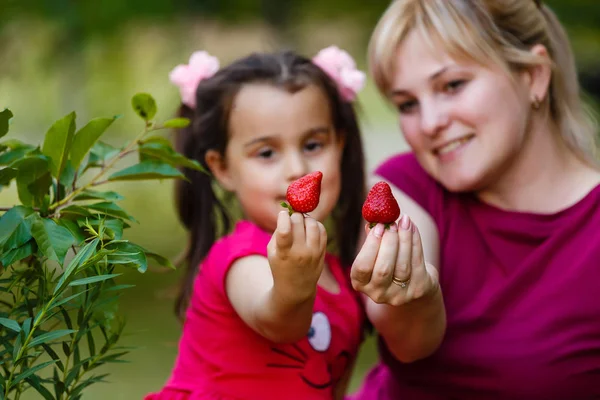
<point x="465" y="122"/>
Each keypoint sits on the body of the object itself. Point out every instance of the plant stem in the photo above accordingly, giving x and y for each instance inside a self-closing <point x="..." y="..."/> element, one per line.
<point x="36" y="324"/>
<point x="66" y="201"/>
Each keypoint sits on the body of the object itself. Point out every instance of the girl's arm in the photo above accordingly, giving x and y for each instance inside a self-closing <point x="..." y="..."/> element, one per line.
<point x="411" y="321"/>
<point x="275" y="296"/>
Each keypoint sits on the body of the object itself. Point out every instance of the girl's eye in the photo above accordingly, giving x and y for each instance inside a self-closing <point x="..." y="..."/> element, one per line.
<point x="314" y="145"/>
<point x="265" y="153"/>
<point x="319" y="335"/>
<point x="407" y="106"/>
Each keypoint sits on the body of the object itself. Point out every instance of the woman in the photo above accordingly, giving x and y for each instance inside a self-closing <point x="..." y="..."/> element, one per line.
<point x="504" y="187"/>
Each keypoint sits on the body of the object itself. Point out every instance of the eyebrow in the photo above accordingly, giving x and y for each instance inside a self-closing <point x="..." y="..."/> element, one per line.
<point x="309" y="132"/>
<point x="431" y="78"/>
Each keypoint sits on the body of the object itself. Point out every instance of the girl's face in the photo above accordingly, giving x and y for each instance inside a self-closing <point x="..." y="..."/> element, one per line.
<point x="277" y="137"/>
<point x="465" y="123"/>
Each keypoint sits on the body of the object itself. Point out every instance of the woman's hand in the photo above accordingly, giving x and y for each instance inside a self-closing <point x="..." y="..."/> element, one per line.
<point x="390" y="267"/>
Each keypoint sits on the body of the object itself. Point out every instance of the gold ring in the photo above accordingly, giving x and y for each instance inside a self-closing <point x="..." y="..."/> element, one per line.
<point x="402" y="284"/>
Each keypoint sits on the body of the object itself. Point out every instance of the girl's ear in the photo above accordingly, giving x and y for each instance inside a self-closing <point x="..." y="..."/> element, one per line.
<point x="218" y="167"/>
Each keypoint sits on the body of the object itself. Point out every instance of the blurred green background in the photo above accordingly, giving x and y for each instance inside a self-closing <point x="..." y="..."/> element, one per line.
<point x="62" y="55"/>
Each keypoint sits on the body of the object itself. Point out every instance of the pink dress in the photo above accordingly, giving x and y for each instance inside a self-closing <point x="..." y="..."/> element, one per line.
<point x="522" y="295"/>
<point x="221" y="358"/>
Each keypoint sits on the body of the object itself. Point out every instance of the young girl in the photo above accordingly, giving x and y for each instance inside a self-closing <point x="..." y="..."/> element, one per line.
<point x="268" y="313"/>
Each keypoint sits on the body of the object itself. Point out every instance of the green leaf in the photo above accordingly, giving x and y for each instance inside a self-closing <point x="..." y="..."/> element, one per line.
<point x="144" y="105"/>
<point x="93" y="279"/>
<point x="6" y="175"/>
<point x="57" y="142"/>
<point x="65" y="300"/>
<point x="146" y="170"/>
<point x="17" y="151"/>
<point x="86" y="137"/>
<point x="177" y="123"/>
<point x="119" y="287"/>
<point x="84" y="254"/>
<point x="5" y="116"/>
<point x="47" y="337"/>
<point x="165" y="153"/>
<point x="14" y="228"/>
<point x="76" y="212"/>
<point x="10" y="324"/>
<point x="39" y="190"/>
<point x="30" y="371"/>
<point x="134" y="255"/>
<point x="33" y="179"/>
<point x="89" y="194"/>
<point x="16" y="255"/>
<point x="36" y="382"/>
<point x="53" y="240"/>
<point x="101" y="152"/>
<point x="111" y="209"/>
<point x="113" y="228"/>
<point x="162" y="261"/>
<point x="73" y="228"/>
<point x="68" y="175"/>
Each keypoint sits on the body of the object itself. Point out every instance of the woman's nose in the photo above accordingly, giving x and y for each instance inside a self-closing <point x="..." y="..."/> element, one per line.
<point x="433" y="118"/>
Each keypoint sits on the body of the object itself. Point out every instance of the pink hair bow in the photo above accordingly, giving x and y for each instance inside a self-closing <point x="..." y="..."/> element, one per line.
<point x="187" y="76"/>
<point x="340" y="66"/>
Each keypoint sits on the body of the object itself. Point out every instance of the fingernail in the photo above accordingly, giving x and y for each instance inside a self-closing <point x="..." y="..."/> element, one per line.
<point x="393" y="227"/>
<point x="378" y="231"/>
<point x="405" y="222"/>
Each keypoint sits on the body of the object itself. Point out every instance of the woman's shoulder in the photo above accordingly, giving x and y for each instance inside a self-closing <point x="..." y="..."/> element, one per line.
<point x="401" y="164"/>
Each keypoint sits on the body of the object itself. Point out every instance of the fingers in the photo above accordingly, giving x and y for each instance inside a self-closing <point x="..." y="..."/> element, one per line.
<point x="313" y="233"/>
<point x="386" y="258"/>
<point x="404" y="260"/>
<point x="362" y="268"/>
<point x="283" y="234"/>
<point x="417" y="258"/>
<point x="298" y="231"/>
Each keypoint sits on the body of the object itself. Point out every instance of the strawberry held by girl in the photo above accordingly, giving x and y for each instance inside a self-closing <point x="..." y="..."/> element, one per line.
<point x="303" y="194"/>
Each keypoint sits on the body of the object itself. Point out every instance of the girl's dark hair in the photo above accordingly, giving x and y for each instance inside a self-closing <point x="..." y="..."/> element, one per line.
<point x="200" y="209"/>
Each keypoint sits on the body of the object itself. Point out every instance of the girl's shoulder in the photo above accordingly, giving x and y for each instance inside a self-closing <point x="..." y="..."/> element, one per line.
<point x="244" y="240"/>
<point x="245" y="236"/>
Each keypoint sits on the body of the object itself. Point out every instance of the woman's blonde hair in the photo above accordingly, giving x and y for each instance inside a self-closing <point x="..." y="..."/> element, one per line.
<point x="492" y="32"/>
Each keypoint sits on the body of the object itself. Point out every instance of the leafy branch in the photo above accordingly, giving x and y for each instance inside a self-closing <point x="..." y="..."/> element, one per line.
<point x="62" y="247"/>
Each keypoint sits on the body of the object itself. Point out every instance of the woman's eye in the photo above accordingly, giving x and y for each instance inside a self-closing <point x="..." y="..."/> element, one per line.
<point x="407" y="106"/>
<point x="455" y="85"/>
<point x="319" y="335"/>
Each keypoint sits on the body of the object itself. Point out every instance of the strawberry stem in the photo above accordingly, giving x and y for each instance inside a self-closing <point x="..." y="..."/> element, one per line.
<point x="288" y="207"/>
<point x="373" y="224"/>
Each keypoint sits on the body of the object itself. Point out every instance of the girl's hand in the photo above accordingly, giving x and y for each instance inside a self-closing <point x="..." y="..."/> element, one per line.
<point x="296" y="254"/>
<point x="390" y="267"/>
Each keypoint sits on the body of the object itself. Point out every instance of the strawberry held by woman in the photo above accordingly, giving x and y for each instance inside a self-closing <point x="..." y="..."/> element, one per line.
<point x="268" y="313"/>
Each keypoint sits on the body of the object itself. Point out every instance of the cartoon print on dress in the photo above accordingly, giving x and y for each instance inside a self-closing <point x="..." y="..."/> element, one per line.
<point x="309" y="356"/>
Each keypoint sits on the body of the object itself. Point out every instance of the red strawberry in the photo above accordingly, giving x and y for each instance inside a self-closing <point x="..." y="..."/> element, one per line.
<point x="303" y="194"/>
<point x="380" y="206"/>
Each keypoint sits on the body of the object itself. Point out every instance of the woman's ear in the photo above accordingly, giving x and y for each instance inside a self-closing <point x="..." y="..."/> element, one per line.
<point x="539" y="75"/>
<point x="218" y="167"/>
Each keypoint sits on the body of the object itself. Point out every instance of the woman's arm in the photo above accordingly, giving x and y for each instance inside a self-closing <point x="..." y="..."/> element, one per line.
<point x="412" y="323"/>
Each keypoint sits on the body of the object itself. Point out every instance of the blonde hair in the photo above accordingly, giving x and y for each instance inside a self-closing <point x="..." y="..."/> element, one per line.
<point x="492" y="32"/>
